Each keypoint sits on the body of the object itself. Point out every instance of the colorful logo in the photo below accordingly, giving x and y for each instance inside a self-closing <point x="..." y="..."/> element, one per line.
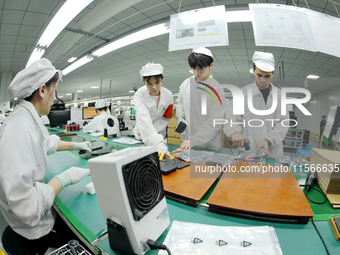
<point x="209" y="93"/>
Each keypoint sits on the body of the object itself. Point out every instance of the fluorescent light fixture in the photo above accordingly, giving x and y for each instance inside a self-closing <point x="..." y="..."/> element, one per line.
<point x="132" y="38"/>
<point x="131" y="91"/>
<point x="71" y="59"/>
<point x="36" y="55"/>
<point x="60" y="96"/>
<point x="69" y="10"/>
<point x="313" y="77"/>
<point x="68" y="94"/>
<point x="238" y="16"/>
<point x="94" y="87"/>
<point x="15" y="98"/>
<point x="251" y="70"/>
<point x="77" y="64"/>
<point x="79" y="91"/>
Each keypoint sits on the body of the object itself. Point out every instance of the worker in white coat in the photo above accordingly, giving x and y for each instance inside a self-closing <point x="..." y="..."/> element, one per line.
<point x="262" y="95"/>
<point x="200" y="130"/>
<point x="96" y="125"/>
<point x="2" y="117"/>
<point x="153" y="104"/>
<point x="25" y="199"/>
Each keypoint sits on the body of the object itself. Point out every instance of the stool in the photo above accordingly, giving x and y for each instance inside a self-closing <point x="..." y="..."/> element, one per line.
<point x="12" y="244"/>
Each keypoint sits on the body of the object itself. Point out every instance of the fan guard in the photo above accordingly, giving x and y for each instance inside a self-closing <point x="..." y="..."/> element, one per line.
<point x="144" y="186"/>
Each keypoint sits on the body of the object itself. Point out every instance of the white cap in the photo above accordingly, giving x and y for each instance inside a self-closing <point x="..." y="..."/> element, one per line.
<point x="204" y="51"/>
<point x="151" y="69"/>
<point x="31" y="78"/>
<point x="264" y="61"/>
<point x="100" y="104"/>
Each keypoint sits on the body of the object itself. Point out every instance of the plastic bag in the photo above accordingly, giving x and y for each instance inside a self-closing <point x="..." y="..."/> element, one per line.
<point x="186" y="238"/>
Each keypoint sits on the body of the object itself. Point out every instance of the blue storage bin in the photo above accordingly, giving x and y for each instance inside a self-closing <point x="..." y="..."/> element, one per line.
<point x="307" y="153"/>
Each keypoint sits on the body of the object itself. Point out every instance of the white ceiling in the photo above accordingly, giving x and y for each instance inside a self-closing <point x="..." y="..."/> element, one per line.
<point x="23" y="22"/>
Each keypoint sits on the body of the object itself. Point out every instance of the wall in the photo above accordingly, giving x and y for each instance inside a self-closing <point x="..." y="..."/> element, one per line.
<point x="318" y="106"/>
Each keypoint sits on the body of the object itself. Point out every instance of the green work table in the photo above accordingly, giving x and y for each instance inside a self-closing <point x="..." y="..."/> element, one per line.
<point x="83" y="212"/>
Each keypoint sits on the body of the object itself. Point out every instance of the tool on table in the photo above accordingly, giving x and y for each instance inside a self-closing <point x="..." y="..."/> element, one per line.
<point x="246" y="143"/>
<point x="93" y="148"/>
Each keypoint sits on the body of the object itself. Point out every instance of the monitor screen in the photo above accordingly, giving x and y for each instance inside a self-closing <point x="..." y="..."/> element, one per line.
<point x="58" y="117"/>
<point x="332" y="122"/>
<point x="133" y="111"/>
<point x="89" y="113"/>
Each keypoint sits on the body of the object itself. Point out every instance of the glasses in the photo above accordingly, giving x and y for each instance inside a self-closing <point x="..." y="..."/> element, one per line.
<point x="197" y="69"/>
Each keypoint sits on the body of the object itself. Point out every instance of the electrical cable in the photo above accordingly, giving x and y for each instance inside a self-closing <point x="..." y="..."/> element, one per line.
<point x="154" y="245"/>
<point x="323" y="241"/>
<point x="307" y="190"/>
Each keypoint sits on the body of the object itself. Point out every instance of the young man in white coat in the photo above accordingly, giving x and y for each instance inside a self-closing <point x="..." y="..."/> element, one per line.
<point x="200" y="130"/>
<point x="25" y="199"/>
<point x="96" y="125"/>
<point x="153" y="104"/>
<point x="263" y="95"/>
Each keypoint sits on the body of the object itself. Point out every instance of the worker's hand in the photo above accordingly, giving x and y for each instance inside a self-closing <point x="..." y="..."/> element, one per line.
<point x="265" y="144"/>
<point x="72" y="175"/>
<point x="162" y="148"/>
<point x="238" y="139"/>
<point x="83" y="146"/>
<point x="187" y="145"/>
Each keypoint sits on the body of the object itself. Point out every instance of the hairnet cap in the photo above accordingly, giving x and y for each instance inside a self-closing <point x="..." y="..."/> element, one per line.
<point x="100" y="104"/>
<point x="31" y="78"/>
<point x="151" y="69"/>
<point x="264" y="61"/>
<point x="204" y="51"/>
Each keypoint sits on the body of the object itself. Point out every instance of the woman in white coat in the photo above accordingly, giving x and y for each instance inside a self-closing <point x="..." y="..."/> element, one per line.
<point x="96" y="125"/>
<point x="153" y="105"/>
<point x="25" y="200"/>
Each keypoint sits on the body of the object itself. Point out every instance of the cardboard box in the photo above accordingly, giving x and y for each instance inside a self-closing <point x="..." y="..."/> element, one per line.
<point x="174" y="140"/>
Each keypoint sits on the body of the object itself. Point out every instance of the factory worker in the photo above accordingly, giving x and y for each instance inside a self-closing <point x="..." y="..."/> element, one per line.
<point x="267" y="134"/>
<point x="200" y="130"/>
<point x="153" y="104"/>
<point x="2" y="117"/>
<point x="126" y="115"/>
<point x="25" y="199"/>
<point x="96" y="125"/>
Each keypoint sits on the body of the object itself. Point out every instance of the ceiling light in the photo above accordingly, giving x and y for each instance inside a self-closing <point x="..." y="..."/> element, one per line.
<point x="68" y="94"/>
<point x="313" y="77"/>
<point x="77" y="64"/>
<point x="69" y="10"/>
<point x="15" y="98"/>
<point x="238" y="16"/>
<point x="60" y="96"/>
<point x="132" y="38"/>
<point x="251" y="70"/>
<point x="131" y="91"/>
<point x="71" y="59"/>
<point x="79" y="91"/>
<point x="94" y="87"/>
<point x="36" y="55"/>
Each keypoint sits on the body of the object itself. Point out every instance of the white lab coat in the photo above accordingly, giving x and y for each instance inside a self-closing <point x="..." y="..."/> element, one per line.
<point x="151" y="121"/>
<point x="25" y="199"/>
<point x="96" y="125"/>
<point x="257" y="135"/>
<point x="200" y="127"/>
<point x="45" y="120"/>
<point x="2" y="118"/>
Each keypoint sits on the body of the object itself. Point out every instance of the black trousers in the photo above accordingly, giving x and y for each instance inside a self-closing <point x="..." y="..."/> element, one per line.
<point x="60" y="235"/>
